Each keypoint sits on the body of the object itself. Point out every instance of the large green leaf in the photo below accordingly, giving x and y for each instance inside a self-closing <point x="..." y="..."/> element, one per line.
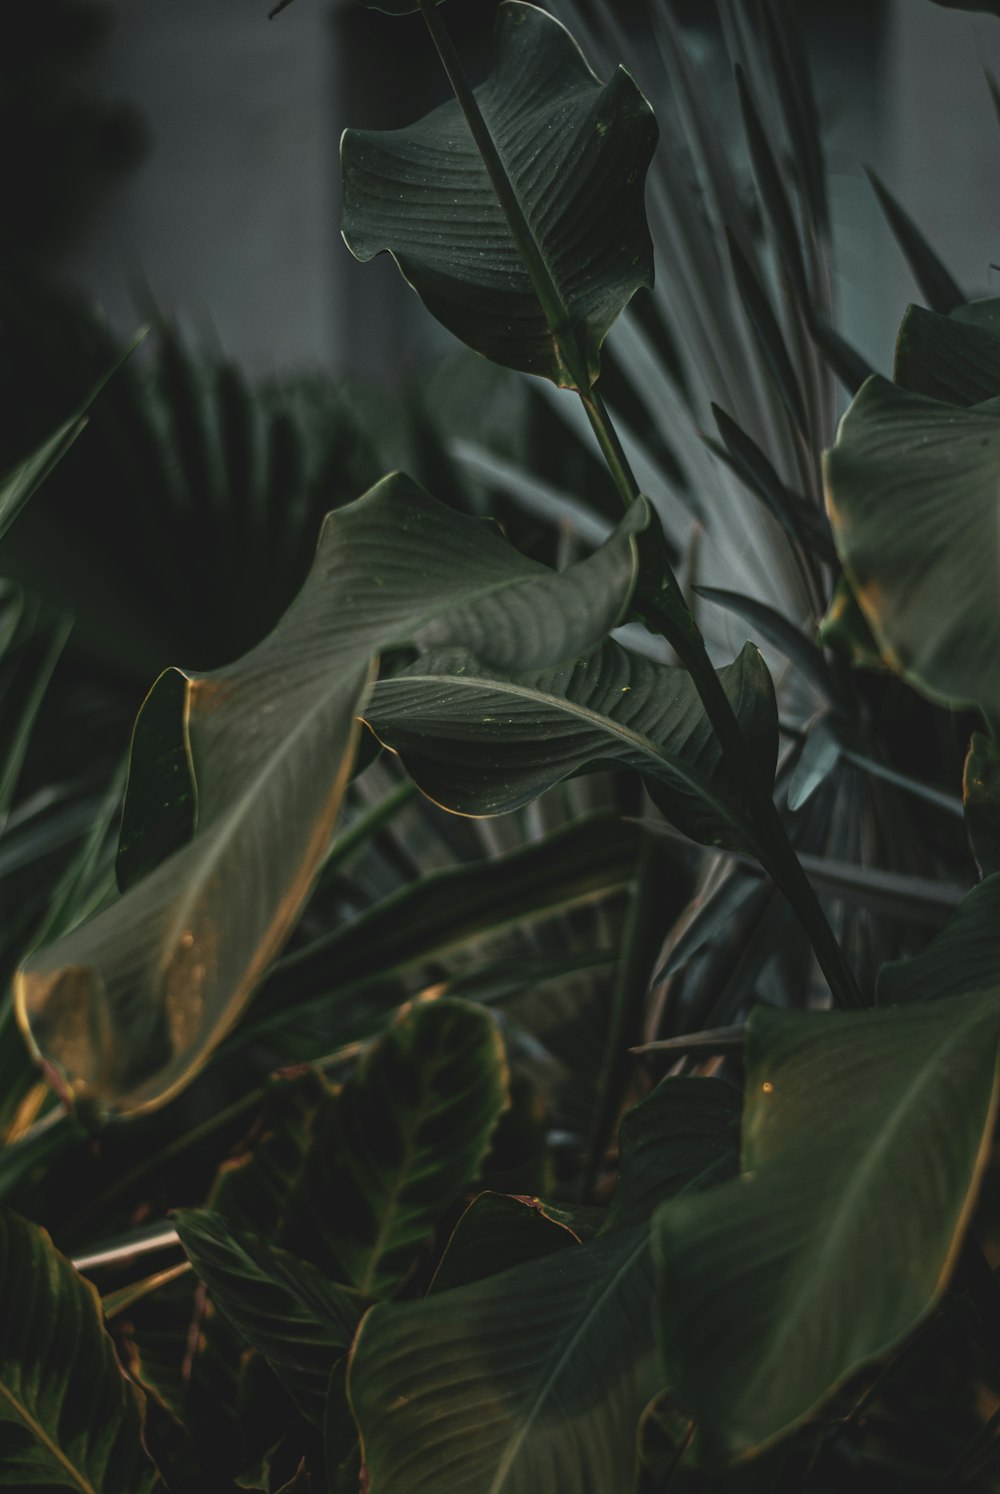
<point x="573" y="155"/>
<point x="863" y="1139"/>
<point x="399" y="1143"/>
<point x="69" y="1419"/>
<point x="912" y="489"/>
<point x="535" y="1378"/>
<point x="299" y="1320"/>
<point x="964" y="957"/>
<point x="128" y="1006"/>
<point x="954" y="358"/>
<point x="481" y="742"/>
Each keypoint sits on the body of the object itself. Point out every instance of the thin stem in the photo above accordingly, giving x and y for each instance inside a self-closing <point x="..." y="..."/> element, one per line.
<point x="660" y="603"/>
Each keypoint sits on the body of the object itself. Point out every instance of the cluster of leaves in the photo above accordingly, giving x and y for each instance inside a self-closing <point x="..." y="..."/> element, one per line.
<point x="420" y="1222"/>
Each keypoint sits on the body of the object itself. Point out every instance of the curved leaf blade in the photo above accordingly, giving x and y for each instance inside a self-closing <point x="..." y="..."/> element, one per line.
<point x="912" y="496"/>
<point x="534" y="1378"/>
<point x="953" y="358"/>
<point x="575" y="156"/>
<point x="963" y="958"/>
<point x="481" y="743"/>
<point x="295" y="1317"/>
<point x="69" y="1419"/>
<point x="129" y="1005"/>
<point x="864" y="1136"/>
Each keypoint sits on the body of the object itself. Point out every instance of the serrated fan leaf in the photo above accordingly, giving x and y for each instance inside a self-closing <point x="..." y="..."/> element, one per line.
<point x="481" y="743"/>
<point x="129" y="1005"/>
<point x="863" y="1139"/>
<point x="574" y="155"/>
<point x="536" y="1377"/>
<point x="300" y="1321"/>
<point x="397" y="1146"/>
<point x="69" y="1419"/>
<point x="912" y="496"/>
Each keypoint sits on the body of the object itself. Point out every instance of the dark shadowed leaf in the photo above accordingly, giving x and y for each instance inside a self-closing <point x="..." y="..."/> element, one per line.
<point x="399" y="1144"/>
<point x="535" y="1378"/>
<point x="69" y="1419"/>
<point x="293" y="1315"/>
<point x="575" y="156"/>
<point x="935" y="282"/>
<point x="497" y="1232"/>
<point x="863" y="1139"/>
<point x="129" y="1005"/>
<point x="952" y="358"/>
<point x="912" y="496"/>
<point x="481" y="743"/>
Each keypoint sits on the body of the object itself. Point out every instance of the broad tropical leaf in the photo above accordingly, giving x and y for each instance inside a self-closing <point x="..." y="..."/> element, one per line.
<point x="536" y="1377"/>
<point x="481" y="742"/>
<point x="863" y="1139"/>
<point x="69" y="1419"/>
<point x="497" y="1232"/>
<point x="963" y="958"/>
<point x="293" y="1315"/>
<point x="128" y="1006"/>
<point x="912" y="495"/>
<point x="573" y="154"/>
<point x="399" y="1143"/>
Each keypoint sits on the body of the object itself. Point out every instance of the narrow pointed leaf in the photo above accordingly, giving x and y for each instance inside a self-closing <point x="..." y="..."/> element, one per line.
<point x="27" y="477"/>
<point x="934" y="280"/>
<point x="864" y="1136"/>
<point x="912" y="495"/>
<point x="481" y="743"/>
<point x="129" y="1005"/>
<point x="819" y="756"/>
<point x="69" y="1419"/>
<point x="573" y="154"/>
<point x="398" y="1145"/>
<point x="300" y="1321"/>
<point x="777" y="631"/>
<point x="535" y="1378"/>
<point x="769" y="335"/>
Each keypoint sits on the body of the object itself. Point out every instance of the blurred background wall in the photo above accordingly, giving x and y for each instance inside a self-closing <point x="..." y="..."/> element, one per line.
<point x="218" y="191"/>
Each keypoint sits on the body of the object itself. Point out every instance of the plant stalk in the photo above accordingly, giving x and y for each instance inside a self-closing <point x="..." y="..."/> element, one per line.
<point x="660" y="602"/>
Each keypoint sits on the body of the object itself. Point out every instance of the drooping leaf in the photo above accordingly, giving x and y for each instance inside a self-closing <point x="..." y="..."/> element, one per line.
<point x="963" y="958"/>
<point x="129" y="1005"/>
<point x="912" y="496"/>
<point x="479" y="742"/>
<point x="864" y="1135"/>
<point x="981" y="797"/>
<point x="293" y="1315"/>
<point x="398" y="1145"/>
<point x="69" y="1419"/>
<point x="953" y="358"/>
<point x="574" y="156"/>
<point x="535" y="1378"/>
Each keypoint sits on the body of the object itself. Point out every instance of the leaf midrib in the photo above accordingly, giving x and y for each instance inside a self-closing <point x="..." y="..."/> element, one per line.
<point x="39" y="1433"/>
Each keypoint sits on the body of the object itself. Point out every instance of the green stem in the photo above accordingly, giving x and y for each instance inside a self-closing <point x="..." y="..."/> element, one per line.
<point x="660" y="603"/>
<point x="545" y="288"/>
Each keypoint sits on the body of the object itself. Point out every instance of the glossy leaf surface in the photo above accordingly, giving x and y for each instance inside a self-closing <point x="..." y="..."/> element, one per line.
<point x="912" y="490"/>
<point x="574" y="155"/>
<point x="481" y="743"/>
<point x="69" y="1419"/>
<point x="300" y="1321"/>
<point x="863" y="1139"/>
<point x="536" y="1377"/>
<point x="128" y="1006"/>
